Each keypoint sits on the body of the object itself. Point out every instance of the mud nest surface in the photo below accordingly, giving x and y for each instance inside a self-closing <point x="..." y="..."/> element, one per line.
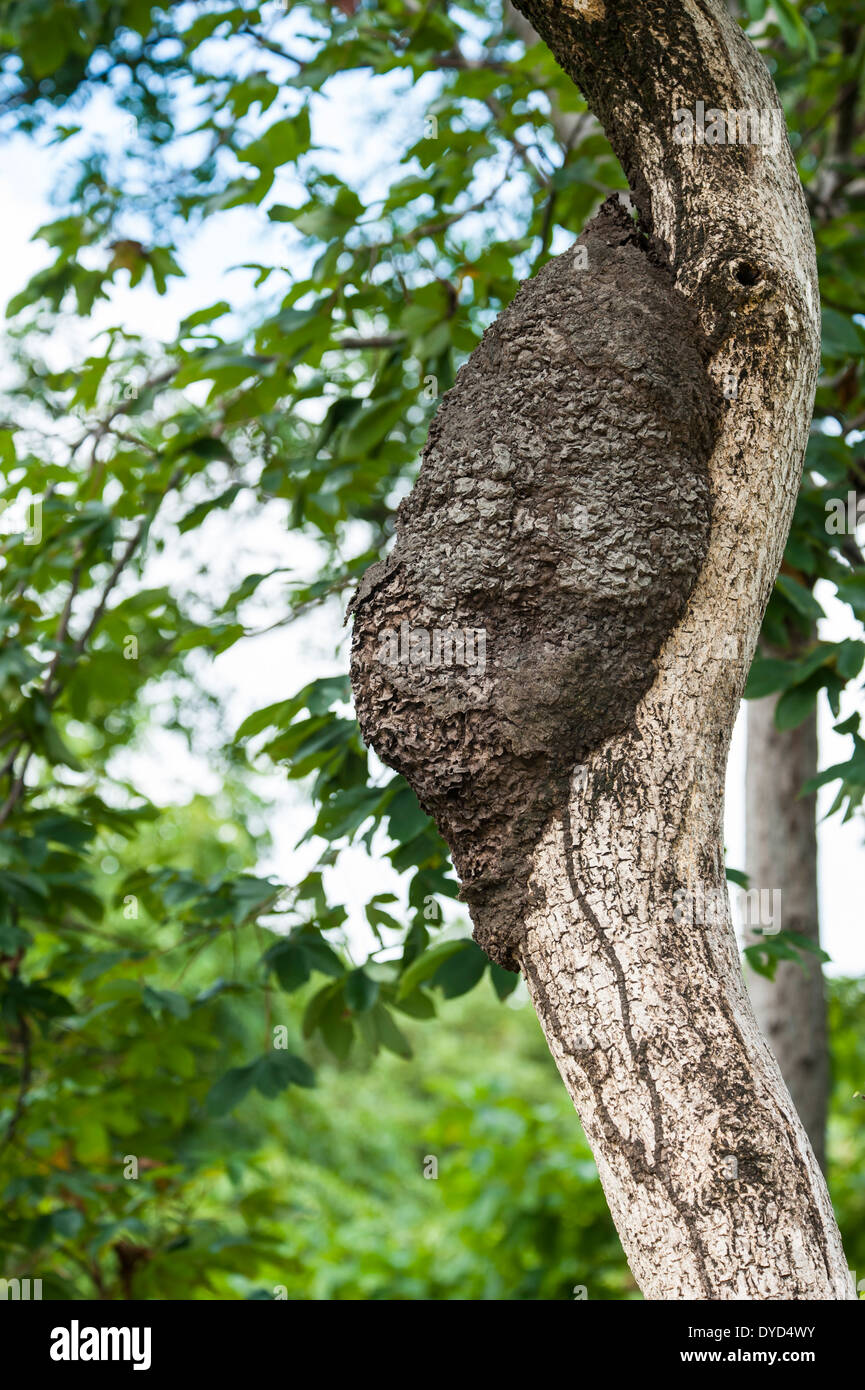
<point x="557" y="526"/>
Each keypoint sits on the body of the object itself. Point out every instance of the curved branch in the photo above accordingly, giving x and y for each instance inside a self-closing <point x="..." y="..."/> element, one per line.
<point x="710" y="1177"/>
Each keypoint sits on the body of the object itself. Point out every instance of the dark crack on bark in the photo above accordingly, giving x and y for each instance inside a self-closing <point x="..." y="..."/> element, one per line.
<point x="733" y="1090"/>
<point x="799" y="1165"/>
<point x="655" y="1166"/>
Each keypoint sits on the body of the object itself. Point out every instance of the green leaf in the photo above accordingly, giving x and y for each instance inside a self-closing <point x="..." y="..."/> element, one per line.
<point x="418" y="1004"/>
<point x="504" y="982"/>
<point x="372" y="425"/>
<point x="461" y="971"/>
<point x="426" y="965"/>
<point x="796" y="33"/>
<point x="321" y="956"/>
<point x="801" y="598"/>
<point x="794" y="706"/>
<point x="361" y="991"/>
<point x="736" y="876"/>
<point x="314" y="1011"/>
<point x="767" y="675"/>
<point x="336" y="1030"/>
<point x="13" y="938"/>
<point x="388" y="1034"/>
<point x="281" y="144"/>
<point x="290" y="963"/>
<point x="230" y="1090"/>
<point x="67" y="1222"/>
<point x="201" y="316"/>
<point x="840" y="336"/>
<point x="849" y="658"/>
<point x="764" y="955"/>
<point x="405" y="817"/>
<point x="276" y="1070"/>
<point x="159" y="1001"/>
<point x="222" y="502"/>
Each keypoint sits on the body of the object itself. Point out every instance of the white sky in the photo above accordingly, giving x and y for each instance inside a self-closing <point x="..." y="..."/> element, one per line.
<point x="269" y="668"/>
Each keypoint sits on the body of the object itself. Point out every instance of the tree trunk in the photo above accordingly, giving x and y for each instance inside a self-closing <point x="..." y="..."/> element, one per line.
<point x="781" y="852"/>
<point x="711" y="1181"/>
<point x="617" y="912"/>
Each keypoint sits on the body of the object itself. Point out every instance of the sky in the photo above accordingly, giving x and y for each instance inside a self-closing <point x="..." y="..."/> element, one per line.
<point x="265" y="669"/>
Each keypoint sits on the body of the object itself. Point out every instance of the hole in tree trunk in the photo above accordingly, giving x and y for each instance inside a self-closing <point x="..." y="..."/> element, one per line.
<point x="745" y="273"/>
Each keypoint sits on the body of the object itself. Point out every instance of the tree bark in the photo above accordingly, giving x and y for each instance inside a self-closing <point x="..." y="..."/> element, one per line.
<point x="710" y="1178"/>
<point x="781" y="852"/>
<point x="623" y="926"/>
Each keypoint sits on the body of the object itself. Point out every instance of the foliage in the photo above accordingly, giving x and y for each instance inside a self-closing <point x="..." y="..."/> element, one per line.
<point x="278" y="1200"/>
<point x="820" y="78"/>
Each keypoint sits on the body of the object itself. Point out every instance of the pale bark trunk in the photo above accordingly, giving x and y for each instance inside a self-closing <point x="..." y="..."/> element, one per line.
<point x="781" y="852"/>
<point x="711" y="1180"/>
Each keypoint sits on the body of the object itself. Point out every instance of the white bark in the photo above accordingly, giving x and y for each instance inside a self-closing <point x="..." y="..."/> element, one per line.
<point x="710" y="1178"/>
